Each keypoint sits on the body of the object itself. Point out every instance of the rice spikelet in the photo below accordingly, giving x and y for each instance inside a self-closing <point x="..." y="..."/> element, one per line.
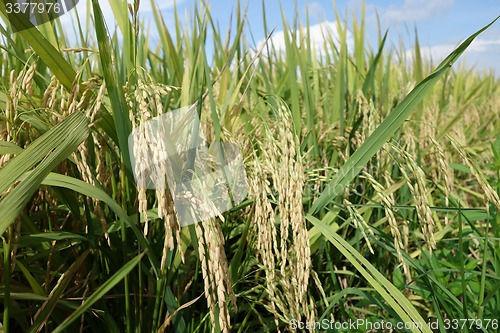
<point x="490" y="195"/>
<point x="145" y="103"/>
<point x="285" y="253"/>
<point x="420" y="194"/>
<point x="388" y="201"/>
<point x="215" y="273"/>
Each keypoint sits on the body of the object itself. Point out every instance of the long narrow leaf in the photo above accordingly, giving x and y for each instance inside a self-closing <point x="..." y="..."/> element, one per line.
<point x="54" y="179"/>
<point x="56" y="293"/>
<point x="115" y="90"/>
<point x="48" y="150"/>
<point x="384" y="287"/>
<point x="100" y="292"/>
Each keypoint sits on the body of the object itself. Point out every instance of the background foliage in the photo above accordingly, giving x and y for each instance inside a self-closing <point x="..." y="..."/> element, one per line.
<point x="373" y="180"/>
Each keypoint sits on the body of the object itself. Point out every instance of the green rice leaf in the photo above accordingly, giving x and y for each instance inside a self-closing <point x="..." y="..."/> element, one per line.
<point x="100" y="292"/>
<point x="37" y="288"/>
<point x="396" y="300"/>
<point x="48" y="306"/>
<point x="115" y="90"/>
<point x="54" y="179"/>
<point x="46" y="153"/>
<point x="7" y="147"/>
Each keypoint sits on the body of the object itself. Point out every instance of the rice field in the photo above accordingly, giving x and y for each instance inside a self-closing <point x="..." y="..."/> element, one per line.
<point x="371" y="181"/>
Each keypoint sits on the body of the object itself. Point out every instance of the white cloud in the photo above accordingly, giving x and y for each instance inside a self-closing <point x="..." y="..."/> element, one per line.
<point x="439" y="52"/>
<point x="68" y="21"/>
<point x="162" y="4"/>
<point x="483" y="45"/>
<point x="417" y="10"/>
<point x="144" y="8"/>
<point x="481" y="54"/>
<point x="321" y="35"/>
<point x="436" y="53"/>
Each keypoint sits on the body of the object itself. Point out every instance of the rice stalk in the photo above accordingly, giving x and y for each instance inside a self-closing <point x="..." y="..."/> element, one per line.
<point x="287" y="261"/>
<point x="490" y="195"/>
<point x="359" y="223"/>
<point x="145" y="102"/>
<point x="388" y="201"/>
<point x="215" y="273"/>
<point x="50" y="95"/>
<point x="10" y="114"/>
<point x="419" y="190"/>
<point x="447" y="175"/>
<point x="264" y="217"/>
<point x="11" y="105"/>
<point x="88" y="103"/>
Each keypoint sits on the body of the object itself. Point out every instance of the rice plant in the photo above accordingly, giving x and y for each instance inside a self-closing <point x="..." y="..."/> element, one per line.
<point x="372" y="180"/>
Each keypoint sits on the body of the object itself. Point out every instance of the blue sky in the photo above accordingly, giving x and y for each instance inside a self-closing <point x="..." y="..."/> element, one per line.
<point x="441" y="24"/>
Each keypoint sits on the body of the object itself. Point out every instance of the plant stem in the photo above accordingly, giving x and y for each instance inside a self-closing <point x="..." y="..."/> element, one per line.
<point x="6" y="269"/>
